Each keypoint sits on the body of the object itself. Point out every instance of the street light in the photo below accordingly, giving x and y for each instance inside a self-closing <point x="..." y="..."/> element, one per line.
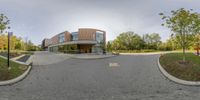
<point x="8" y="61"/>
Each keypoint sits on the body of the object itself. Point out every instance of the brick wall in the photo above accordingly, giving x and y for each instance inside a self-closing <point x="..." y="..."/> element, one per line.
<point x="54" y="40"/>
<point x="67" y="36"/>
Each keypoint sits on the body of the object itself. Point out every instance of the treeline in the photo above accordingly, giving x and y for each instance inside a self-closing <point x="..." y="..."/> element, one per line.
<point x="16" y="43"/>
<point x="130" y="41"/>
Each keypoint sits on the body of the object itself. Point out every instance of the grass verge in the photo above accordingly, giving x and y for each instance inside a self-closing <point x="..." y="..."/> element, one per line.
<point x="15" y="71"/>
<point x="189" y="71"/>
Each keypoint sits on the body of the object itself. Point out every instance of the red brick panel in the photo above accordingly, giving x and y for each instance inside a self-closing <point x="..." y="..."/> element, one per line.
<point x="67" y="36"/>
<point x="86" y="34"/>
<point x="55" y="40"/>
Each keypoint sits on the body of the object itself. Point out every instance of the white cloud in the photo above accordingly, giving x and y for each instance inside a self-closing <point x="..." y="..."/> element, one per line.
<point x="38" y="19"/>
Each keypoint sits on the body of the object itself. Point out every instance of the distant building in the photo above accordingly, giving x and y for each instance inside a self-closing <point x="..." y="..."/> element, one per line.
<point x="86" y="40"/>
<point x="45" y="44"/>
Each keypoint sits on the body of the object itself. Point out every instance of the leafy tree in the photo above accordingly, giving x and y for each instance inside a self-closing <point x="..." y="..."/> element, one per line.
<point x="3" y="22"/>
<point x="183" y="23"/>
<point x="152" y="40"/>
<point x="128" y="41"/>
<point x="109" y="46"/>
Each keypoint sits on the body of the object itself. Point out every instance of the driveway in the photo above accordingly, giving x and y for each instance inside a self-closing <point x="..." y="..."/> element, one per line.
<point x="136" y="77"/>
<point x="46" y="58"/>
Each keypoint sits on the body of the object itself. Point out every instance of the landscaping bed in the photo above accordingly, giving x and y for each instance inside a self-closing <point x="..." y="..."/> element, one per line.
<point x="190" y="70"/>
<point x="15" y="71"/>
<point x="15" y="54"/>
<point x="24" y="58"/>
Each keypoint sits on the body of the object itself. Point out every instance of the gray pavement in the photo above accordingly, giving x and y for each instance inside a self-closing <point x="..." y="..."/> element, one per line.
<point x="46" y="58"/>
<point x="136" y="77"/>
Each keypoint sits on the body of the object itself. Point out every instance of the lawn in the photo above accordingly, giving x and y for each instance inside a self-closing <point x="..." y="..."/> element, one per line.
<point x="135" y="51"/>
<point x="189" y="71"/>
<point x="16" y="70"/>
<point x="147" y="51"/>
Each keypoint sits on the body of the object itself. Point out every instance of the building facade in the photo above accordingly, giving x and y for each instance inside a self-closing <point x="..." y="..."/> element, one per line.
<point x="86" y="40"/>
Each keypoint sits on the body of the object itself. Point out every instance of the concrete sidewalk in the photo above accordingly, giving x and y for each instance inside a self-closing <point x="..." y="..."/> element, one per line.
<point x="89" y="56"/>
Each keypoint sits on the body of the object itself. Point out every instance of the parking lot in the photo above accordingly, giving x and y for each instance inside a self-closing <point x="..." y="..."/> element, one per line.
<point x="124" y="77"/>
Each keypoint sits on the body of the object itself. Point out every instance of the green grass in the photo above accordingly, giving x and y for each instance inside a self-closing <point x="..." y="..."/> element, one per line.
<point x="147" y="51"/>
<point x="190" y="71"/>
<point x="135" y="51"/>
<point x="16" y="70"/>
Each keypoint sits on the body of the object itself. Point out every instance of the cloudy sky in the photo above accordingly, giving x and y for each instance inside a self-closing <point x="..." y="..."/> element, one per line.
<point x="38" y="19"/>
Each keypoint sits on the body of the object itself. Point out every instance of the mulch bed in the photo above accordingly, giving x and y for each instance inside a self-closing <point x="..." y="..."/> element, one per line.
<point x="24" y="58"/>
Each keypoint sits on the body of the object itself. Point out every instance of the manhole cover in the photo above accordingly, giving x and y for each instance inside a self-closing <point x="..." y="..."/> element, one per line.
<point x="114" y="65"/>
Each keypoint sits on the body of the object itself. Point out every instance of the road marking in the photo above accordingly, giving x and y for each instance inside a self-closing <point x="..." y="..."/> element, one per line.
<point x="114" y="65"/>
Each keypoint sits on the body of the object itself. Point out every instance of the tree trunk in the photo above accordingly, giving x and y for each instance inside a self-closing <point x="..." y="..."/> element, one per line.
<point x="184" y="53"/>
<point x="184" y="46"/>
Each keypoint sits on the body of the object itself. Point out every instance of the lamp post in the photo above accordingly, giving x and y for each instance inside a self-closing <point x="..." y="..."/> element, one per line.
<point x="8" y="61"/>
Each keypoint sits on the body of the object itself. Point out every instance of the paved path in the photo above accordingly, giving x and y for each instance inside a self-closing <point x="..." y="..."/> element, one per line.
<point x="136" y="78"/>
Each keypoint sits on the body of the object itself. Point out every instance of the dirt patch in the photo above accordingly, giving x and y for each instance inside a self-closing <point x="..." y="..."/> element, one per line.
<point x="184" y="64"/>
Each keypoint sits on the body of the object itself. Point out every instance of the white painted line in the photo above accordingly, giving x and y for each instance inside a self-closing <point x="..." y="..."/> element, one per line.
<point x="114" y="65"/>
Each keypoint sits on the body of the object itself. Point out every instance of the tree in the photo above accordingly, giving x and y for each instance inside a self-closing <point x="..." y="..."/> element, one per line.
<point x="128" y="41"/>
<point x="3" y="22"/>
<point x="152" y="40"/>
<point x="183" y="23"/>
<point x="109" y="46"/>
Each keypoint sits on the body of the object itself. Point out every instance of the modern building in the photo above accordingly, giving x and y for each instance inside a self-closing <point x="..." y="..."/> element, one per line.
<point x="86" y="40"/>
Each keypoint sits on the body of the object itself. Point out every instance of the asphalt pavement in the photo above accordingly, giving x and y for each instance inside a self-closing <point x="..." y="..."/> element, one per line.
<point x="124" y="77"/>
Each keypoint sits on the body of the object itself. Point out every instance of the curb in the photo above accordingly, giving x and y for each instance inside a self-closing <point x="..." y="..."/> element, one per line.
<point x="89" y="58"/>
<point x="23" y="63"/>
<point x="30" y="60"/>
<point x="139" y="53"/>
<point x="153" y="53"/>
<point x="15" y="58"/>
<point x="17" y="79"/>
<point x="174" y="79"/>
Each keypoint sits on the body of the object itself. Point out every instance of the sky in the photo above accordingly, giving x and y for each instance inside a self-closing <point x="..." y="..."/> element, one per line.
<point x="39" y="19"/>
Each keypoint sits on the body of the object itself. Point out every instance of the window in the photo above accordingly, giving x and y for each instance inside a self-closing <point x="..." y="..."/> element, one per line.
<point x="99" y="37"/>
<point x="61" y="38"/>
<point x="74" y="36"/>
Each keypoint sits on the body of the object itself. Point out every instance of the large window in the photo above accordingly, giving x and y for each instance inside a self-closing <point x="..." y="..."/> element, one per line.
<point x="61" y="38"/>
<point x="99" y="37"/>
<point x="74" y="36"/>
